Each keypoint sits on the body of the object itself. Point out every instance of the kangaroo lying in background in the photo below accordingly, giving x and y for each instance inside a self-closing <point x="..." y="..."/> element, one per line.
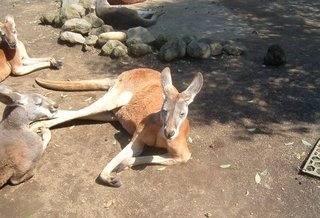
<point x="20" y="148"/>
<point x="124" y="2"/>
<point x="13" y="55"/>
<point x="147" y="105"/>
<point x="125" y="18"/>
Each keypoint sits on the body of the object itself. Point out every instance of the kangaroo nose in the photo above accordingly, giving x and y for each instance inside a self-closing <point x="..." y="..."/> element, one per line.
<point x="53" y="108"/>
<point x="170" y="134"/>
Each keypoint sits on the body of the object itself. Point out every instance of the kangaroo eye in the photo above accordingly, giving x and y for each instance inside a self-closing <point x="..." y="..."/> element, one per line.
<point x="182" y="114"/>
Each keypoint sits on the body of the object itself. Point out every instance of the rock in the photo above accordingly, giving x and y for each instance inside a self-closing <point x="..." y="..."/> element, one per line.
<point x="77" y="25"/>
<point x="48" y="17"/>
<point x="69" y="12"/>
<point x="73" y="38"/>
<point x="86" y="4"/>
<point x="173" y="49"/>
<point x="104" y="37"/>
<point x="102" y="29"/>
<point x="65" y="3"/>
<point x="94" y="20"/>
<point x="216" y="48"/>
<point x="187" y="39"/>
<point x="81" y="10"/>
<point x="114" y="49"/>
<point x="199" y="50"/>
<point x="233" y="48"/>
<point x="140" y="49"/>
<point x="162" y="39"/>
<point x="53" y="18"/>
<point x="139" y="34"/>
<point x="86" y="48"/>
<point x="275" y="56"/>
<point x="91" y="40"/>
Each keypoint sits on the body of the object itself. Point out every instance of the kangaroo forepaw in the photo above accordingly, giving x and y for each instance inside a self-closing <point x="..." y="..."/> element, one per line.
<point x="111" y="181"/>
<point x="56" y="64"/>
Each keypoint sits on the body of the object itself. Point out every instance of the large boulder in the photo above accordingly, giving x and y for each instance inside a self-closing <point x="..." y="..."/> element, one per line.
<point x="174" y="49"/>
<point x="77" y="25"/>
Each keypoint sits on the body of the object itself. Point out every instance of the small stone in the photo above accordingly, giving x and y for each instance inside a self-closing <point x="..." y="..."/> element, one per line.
<point x="208" y="215"/>
<point x="216" y="48"/>
<point x="100" y="30"/>
<point x="162" y="39"/>
<point x="140" y="49"/>
<point x="71" y="37"/>
<point x="49" y="17"/>
<point x="114" y="49"/>
<point x="140" y="34"/>
<point x="91" y="40"/>
<point x="69" y="12"/>
<point x="199" y="50"/>
<point x="77" y="25"/>
<point x="94" y="20"/>
<point x="233" y="48"/>
<point x="172" y="50"/>
<point x="275" y="56"/>
<point x="104" y="37"/>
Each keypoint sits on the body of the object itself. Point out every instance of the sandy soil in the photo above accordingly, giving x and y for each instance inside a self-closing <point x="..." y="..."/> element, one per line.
<point x="280" y="104"/>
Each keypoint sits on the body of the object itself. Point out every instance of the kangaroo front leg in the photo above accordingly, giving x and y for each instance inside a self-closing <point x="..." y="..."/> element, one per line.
<point x="132" y="149"/>
<point x="165" y="159"/>
<point x="46" y="137"/>
<point x="22" y="70"/>
<point x="30" y="61"/>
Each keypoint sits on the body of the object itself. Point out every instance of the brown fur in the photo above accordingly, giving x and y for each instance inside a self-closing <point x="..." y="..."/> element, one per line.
<point x="13" y="55"/>
<point x="136" y="99"/>
<point x="20" y="148"/>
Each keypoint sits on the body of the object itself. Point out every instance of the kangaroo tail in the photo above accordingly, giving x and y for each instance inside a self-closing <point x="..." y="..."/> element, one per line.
<point x="83" y="85"/>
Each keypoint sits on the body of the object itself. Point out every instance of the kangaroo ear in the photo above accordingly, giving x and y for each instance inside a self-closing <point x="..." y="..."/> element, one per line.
<point x="8" y="96"/>
<point x="166" y="81"/>
<point x="193" y="89"/>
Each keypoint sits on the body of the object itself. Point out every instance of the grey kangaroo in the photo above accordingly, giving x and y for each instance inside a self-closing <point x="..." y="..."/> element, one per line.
<point x="125" y="18"/>
<point x="20" y="148"/>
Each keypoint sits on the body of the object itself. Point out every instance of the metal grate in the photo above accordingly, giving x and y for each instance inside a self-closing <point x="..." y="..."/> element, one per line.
<point x="312" y="165"/>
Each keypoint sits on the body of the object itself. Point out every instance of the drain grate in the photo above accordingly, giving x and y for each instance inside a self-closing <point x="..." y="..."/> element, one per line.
<point x="312" y="165"/>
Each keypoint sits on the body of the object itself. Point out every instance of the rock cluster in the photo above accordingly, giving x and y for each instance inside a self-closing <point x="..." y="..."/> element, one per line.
<point x="80" y="26"/>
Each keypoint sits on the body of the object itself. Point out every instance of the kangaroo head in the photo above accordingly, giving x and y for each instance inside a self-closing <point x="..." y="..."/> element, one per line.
<point x="8" y="32"/>
<point x="175" y="105"/>
<point x="36" y="106"/>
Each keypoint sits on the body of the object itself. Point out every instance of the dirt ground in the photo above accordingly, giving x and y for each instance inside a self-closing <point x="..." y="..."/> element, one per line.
<point x="279" y="105"/>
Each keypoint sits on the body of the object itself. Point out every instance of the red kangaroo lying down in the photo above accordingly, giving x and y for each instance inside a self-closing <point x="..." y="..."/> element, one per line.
<point x="20" y="148"/>
<point x="13" y="55"/>
<point x="147" y="105"/>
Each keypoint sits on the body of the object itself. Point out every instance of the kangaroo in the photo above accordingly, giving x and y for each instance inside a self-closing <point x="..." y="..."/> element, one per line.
<point x="125" y="18"/>
<point x="20" y="148"/>
<point x="13" y="55"/>
<point x="147" y="105"/>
